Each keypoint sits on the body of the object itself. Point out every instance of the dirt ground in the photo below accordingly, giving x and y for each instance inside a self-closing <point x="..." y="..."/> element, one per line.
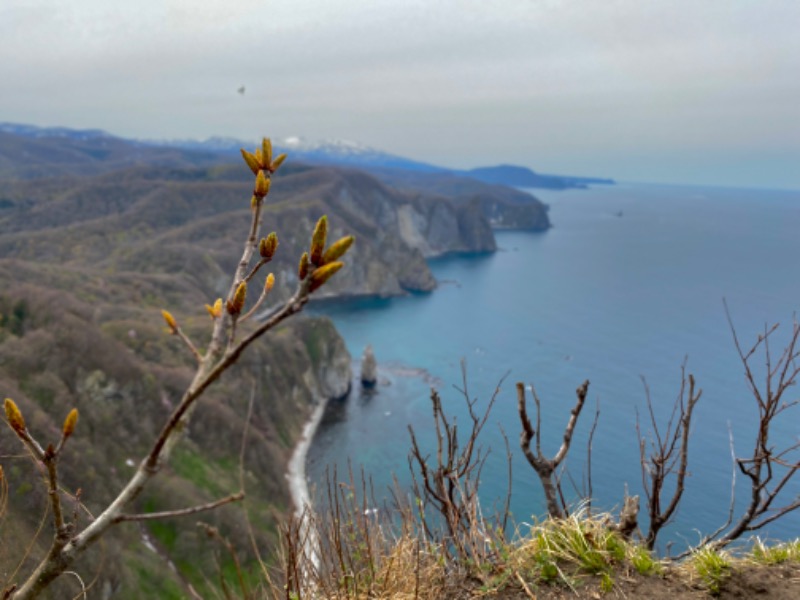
<point x="778" y="582"/>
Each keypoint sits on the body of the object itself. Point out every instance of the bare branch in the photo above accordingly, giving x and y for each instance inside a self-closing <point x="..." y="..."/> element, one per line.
<point x="183" y="512"/>
<point x="589" y="445"/>
<point x="670" y="456"/>
<point x="767" y="468"/>
<point x="449" y="482"/>
<point x="543" y="466"/>
<point x="255" y="269"/>
<point x="189" y="344"/>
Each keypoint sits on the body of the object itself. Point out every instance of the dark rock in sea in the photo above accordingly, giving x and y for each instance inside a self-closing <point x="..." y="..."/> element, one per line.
<point x="369" y="369"/>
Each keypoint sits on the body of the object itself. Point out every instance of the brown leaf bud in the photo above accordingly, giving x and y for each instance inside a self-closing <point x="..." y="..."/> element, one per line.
<point x="259" y="156"/>
<point x="13" y="416"/>
<point x="171" y="322"/>
<point x="302" y="270"/>
<point x="251" y="161"/>
<point x="337" y="250"/>
<point x="269" y="283"/>
<point x="266" y="150"/>
<point x="236" y="305"/>
<point x="318" y="241"/>
<point x="321" y="275"/>
<point x="268" y="245"/>
<point x="69" y="422"/>
<point x="262" y="185"/>
<point x="277" y="162"/>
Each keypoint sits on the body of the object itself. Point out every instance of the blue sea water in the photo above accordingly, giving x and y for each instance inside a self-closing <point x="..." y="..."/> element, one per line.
<point x="627" y="285"/>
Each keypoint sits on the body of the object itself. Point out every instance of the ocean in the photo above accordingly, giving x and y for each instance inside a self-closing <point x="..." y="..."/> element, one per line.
<point x="625" y="288"/>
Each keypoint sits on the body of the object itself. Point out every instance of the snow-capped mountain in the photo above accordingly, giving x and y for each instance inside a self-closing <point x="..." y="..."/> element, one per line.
<point x="331" y="152"/>
<point x="335" y="152"/>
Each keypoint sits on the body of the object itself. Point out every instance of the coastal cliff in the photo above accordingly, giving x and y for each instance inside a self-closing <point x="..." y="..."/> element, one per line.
<point x="502" y="207"/>
<point x="164" y="221"/>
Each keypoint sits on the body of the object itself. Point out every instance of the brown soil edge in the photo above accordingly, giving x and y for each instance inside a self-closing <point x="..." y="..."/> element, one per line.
<point x="774" y="582"/>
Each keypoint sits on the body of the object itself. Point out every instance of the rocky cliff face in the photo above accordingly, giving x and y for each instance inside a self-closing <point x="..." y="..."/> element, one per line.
<point x="166" y="221"/>
<point x="503" y="207"/>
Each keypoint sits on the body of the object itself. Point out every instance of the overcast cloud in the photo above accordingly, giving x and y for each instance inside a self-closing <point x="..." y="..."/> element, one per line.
<point x="674" y="91"/>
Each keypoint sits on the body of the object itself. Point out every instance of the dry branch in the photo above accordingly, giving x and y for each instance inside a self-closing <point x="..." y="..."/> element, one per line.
<point x="545" y="467"/>
<point x="669" y="456"/>
<point x="448" y="483"/>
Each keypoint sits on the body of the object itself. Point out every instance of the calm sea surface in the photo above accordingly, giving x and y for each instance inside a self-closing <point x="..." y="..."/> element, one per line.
<point x="627" y="285"/>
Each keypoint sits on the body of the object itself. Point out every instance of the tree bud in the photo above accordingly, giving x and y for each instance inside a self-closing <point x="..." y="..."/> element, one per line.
<point x="266" y="150"/>
<point x="302" y="270"/>
<point x="70" y="422"/>
<point x="171" y="322"/>
<point x="338" y="249"/>
<point x="277" y="162"/>
<point x="321" y="275"/>
<point x="251" y="161"/>
<point x="269" y="283"/>
<point x="262" y="185"/>
<point x="318" y="241"/>
<point x="13" y="416"/>
<point x="268" y="245"/>
<point x="236" y="305"/>
<point x="216" y="310"/>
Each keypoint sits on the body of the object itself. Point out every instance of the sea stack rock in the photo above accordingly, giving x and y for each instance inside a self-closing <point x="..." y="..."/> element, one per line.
<point x="369" y="369"/>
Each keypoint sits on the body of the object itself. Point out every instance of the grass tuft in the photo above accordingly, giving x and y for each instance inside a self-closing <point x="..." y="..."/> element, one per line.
<point x="713" y="567"/>
<point x="777" y="554"/>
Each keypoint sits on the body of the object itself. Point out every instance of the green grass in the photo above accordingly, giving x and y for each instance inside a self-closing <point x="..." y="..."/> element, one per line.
<point x="198" y="470"/>
<point x="644" y="562"/>
<point x="713" y="567"/>
<point x="777" y="554"/>
<point x="151" y="584"/>
<point x="165" y="532"/>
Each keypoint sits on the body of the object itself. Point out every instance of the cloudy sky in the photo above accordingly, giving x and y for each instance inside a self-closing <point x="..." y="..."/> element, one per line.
<point x="696" y="91"/>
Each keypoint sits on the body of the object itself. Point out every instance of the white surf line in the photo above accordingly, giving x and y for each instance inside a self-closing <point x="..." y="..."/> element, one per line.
<point x="298" y="487"/>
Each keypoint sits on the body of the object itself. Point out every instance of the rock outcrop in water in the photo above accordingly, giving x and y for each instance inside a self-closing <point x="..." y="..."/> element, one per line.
<point x="369" y="368"/>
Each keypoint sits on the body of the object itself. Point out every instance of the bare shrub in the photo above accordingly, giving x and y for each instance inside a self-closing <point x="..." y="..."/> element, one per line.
<point x="546" y="467"/>
<point x="669" y="456"/>
<point x="767" y="468"/>
<point x="447" y="483"/>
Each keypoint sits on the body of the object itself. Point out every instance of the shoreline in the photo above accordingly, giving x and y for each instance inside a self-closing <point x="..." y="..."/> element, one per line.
<point x="296" y="469"/>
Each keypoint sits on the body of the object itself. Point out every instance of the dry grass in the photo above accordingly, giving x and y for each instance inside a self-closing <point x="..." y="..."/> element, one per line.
<point x="354" y="552"/>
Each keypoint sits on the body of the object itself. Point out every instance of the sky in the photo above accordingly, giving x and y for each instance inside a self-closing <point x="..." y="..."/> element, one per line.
<point x="672" y="91"/>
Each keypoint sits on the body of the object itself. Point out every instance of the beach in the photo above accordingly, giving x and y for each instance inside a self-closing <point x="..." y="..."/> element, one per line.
<point x="296" y="470"/>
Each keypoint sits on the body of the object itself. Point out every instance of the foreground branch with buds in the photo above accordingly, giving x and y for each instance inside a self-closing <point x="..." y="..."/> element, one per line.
<point x="228" y="341"/>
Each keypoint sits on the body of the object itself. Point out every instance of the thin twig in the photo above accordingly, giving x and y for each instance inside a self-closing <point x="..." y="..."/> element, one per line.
<point x="189" y="344"/>
<point x="183" y="512"/>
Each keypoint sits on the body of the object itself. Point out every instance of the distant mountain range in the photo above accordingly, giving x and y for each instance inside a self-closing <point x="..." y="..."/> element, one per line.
<point x="327" y="152"/>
